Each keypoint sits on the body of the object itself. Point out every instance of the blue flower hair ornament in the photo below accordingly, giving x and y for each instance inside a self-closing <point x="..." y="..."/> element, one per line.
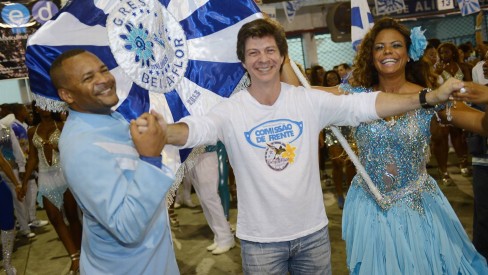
<point x="419" y="43"/>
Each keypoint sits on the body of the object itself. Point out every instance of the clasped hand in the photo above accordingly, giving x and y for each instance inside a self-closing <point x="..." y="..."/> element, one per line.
<point x="473" y="93"/>
<point x="446" y="91"/>
<point x="148" y="134"/>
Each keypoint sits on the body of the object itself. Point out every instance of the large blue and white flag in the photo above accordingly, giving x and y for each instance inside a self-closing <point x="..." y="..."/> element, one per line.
<point x="361" y="21"/>
<point x="175" y="56"/>
<point x="468" y="7"/>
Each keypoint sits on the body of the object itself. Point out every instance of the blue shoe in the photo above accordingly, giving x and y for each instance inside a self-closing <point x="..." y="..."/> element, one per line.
<point x="340" y="202"/>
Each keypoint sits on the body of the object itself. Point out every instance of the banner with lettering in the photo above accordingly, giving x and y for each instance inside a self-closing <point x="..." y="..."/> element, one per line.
<point x="19" y="19"/>
<point x="415" y="8"/>
<point x="388" y="6"/>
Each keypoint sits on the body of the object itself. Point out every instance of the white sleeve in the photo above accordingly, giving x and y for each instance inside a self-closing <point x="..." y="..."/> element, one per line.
<point x="17" y="150"/>
<point x="202" y="131"/>
<point x="349" y="109"/>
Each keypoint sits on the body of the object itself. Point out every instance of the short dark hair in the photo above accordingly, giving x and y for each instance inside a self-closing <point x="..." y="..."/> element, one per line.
<point x="55" y="71"/>
<point x="17" y="108"/>
<point x="435" y="42"/>
<point x="261" y="28"/>
<point x="345" y="66"/>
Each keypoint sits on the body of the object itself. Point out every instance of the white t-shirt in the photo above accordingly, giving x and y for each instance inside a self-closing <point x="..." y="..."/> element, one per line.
<point x="477" y="72"/>
<point x="274" y="154"/>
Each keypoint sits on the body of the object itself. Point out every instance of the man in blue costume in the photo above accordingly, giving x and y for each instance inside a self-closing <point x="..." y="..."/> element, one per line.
<point x="116" y="175"/>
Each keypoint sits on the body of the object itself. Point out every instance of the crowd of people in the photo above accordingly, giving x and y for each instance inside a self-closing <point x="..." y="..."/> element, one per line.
<point x="389" y="103"/>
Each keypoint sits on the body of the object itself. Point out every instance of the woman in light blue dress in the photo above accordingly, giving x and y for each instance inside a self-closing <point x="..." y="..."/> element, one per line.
<point x="411" y="227"/>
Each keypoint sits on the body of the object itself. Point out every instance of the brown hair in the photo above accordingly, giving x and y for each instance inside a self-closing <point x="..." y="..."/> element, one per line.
<point x="261" y="28"/>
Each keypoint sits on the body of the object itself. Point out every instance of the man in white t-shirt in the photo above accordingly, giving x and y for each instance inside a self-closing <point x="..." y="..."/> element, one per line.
<point x="270" y="132"/>
<point x="480" y="72"/>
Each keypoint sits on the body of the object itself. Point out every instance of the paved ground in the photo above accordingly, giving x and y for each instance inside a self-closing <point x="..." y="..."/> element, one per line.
<point x="45" y="255"/>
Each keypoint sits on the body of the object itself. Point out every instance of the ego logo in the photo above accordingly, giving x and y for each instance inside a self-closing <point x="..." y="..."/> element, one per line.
<point x="148" y="43"/>
<point x="18" y="16"/>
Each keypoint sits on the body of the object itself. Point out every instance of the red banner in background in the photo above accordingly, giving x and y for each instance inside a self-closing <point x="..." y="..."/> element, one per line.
<point x="18" y="20"/>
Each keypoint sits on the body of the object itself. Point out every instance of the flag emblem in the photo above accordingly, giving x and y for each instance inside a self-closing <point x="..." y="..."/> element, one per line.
<point x="468" y="7"/>
<point x="149" y="44"/>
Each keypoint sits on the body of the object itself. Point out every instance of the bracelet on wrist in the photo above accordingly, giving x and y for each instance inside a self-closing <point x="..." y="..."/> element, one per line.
<point x="422" y="98"/>
<point x="477" y="29"/>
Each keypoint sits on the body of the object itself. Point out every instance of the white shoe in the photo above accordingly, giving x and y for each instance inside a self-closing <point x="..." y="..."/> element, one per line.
<point x="177" y="205"/>
<point x="222" y="249"/>
<point x="212" y="247"/>
<point x="38" y="223"/>
<point x="27" y="234"/>
<point x="189" y="204"/>
<point x="11" y="271"/>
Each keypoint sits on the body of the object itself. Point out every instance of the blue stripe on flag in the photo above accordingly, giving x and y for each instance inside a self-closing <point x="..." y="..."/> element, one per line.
<point x="356" y="17"/>
<point x="209" y="75"/>
<point x="217" y="15"/>
<point x="136" y="103"/>
<point x="178" y="109"/>
<point x="79" y="9"/>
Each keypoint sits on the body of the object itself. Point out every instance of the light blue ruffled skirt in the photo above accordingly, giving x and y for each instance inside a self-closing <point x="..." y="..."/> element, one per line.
<point x="405" y="241"/>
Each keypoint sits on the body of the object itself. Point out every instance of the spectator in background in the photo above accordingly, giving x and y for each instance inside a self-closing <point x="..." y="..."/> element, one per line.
<point x="447" y="67"/>
<point x="317" y="75"/>
<point x="339" y="158"/>
<point x="344" y="71"/>
<point x="11" y="150"/>
<point x="22" y="120"/>
<point x="7" y="223"/>
<point x="478" y="148"/>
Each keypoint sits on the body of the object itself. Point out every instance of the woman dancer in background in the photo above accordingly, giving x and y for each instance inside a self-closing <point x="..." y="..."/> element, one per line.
<point x="53" y="189"/>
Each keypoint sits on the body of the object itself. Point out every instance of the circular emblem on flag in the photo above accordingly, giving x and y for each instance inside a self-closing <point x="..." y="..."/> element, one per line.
<point x="149" y="44"/>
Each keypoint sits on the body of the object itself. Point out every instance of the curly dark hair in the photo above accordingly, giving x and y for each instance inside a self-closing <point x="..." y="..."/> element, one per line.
<point x="452" y="47"/>
<point x="365" y="73"/>
<point x="325" y="83"/>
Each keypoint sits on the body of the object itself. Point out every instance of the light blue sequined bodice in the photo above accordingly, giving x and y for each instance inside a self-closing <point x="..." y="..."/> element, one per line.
<point x="394" y="154"/>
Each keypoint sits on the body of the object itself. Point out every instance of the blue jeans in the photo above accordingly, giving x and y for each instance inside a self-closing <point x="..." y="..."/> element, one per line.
<point x="305" y="255"/>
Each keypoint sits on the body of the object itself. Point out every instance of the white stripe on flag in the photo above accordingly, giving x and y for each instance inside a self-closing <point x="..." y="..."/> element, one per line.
<point x="182" y="9"/>
<point x="217" y="39"/>
<point x="68" y="30"/>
